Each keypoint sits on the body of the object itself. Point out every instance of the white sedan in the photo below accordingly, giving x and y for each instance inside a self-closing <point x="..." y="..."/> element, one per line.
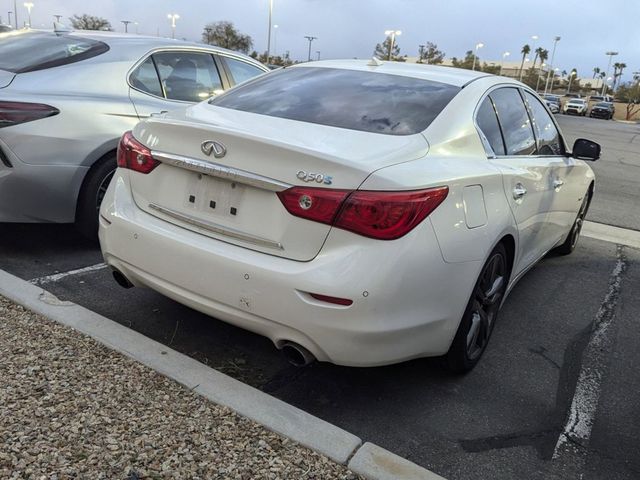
<point x="354" y="212"/>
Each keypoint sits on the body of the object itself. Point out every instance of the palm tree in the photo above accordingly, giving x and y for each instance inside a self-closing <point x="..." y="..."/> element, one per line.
<point x="617" y="73"/>
<point x="538" y="52"/>
<point x="596" y="71"/>
<point x="525" y="51"/>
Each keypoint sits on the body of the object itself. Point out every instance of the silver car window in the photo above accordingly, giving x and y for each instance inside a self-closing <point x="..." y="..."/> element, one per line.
<point x="145" y="78"/>
<point x="514" y="120"/>
<point x="188" y="76"/>
<point x="488" y="123"/>
<point x="241" y="71"/>
<point x="549" y="142"/>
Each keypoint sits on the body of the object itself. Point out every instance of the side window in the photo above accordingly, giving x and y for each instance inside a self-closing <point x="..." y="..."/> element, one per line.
<point x="514" y="120"/>
<point x="241" y="71"/>
<point x="188" y="76"/>
<point x="488" y="124"/>
<point x="549" y="142"/>
<point x="145" y="78"/>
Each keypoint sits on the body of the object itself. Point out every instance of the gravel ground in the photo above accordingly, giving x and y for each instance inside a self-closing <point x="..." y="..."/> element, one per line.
<point x="72" y="408"/>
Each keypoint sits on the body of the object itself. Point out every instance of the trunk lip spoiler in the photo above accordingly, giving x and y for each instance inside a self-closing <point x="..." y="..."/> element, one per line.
<point x="221" y="171"/>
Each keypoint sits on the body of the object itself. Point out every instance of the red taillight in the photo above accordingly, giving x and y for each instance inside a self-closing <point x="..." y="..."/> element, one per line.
<point x="376" y="214"/>
<point x="13" y="113"/>
<point x="135" y="156"/>
<point x="388" y="215"/>
<point x="317" y="204"/>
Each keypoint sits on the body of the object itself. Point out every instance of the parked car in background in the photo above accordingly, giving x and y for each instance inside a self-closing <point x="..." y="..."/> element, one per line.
<point x="67" y="97"/>
<point x="554" y="99"/>
<point x="576" y="106"/>
<point x="5" y="28"/>
<point x="601" y="98"/>
<point x="602" y="110"/>
<point x="361" y="213"/>
<point x="553" y="106"/>
<point x="572" y="95"/>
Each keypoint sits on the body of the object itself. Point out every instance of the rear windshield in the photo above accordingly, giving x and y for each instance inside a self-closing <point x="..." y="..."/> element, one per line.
<point x="364" y="101"/>
<point x="29" y="51"/>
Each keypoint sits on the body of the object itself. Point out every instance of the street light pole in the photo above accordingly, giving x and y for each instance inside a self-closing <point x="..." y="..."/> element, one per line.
<point x="478" y="45"/>
<point x="208" y="30"/>
<point x="311" y="39"/>
<point x="275" y="40"/>
<point x="9" y="15"/>
<point x="421" y="52"/>
<point x="553" y="54"/>
<point x="552" y="80"/>
<point x="393" y="34"/>
<point x="269" y="33"/>
<point x="318" y="52"/>
<point x="604" y="86"/>
<point x="15" y="13"/>
<point x="126" y="25"/>
<point x="504" y="55"/>
<point x="29" y="6"/>
<point x="173" y="17"/>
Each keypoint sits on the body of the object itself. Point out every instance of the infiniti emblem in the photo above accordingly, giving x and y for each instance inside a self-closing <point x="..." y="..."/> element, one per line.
<point x="216" y="148"/>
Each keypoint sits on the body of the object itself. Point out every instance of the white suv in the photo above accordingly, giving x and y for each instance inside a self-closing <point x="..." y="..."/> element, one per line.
<point x="575" y="106"/>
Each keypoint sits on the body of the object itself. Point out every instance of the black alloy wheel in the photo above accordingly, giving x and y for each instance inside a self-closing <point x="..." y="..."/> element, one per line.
<point x="481" y="313"/>
<point x="92" y="194"/>
<point x="570" y="243"/>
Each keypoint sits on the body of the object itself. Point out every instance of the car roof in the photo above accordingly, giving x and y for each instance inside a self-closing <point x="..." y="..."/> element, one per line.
<point x="449" y="75"/>
<point x="136" y="45"/>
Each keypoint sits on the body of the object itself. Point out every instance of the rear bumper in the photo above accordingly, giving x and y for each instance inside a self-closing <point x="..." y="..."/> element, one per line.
<point x="407" y="302"/>
<point x="38" y="193"/>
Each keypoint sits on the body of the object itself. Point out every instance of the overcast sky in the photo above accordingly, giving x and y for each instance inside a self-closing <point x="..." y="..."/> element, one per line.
<point x="351" y="28"/>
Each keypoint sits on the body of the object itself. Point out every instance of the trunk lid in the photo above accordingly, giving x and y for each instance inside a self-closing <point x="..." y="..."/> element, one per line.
<point x="233" y="198"/>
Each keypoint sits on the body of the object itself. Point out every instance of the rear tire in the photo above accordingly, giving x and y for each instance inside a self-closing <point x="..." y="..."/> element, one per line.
<point x="481" y="314"/>
<point x="570" y="243"/>
<point x="91" y="195"/>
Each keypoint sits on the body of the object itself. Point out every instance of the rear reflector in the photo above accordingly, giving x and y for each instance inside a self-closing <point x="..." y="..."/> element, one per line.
<point x="14" y="113"/>
<point x="134" y="155"/>
<point x="381" y="215"/>
<point x="336" y="300"/>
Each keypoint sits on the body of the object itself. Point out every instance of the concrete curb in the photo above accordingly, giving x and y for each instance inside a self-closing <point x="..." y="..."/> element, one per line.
<point x="368" y="460"/>
<point x="608" y="233"/>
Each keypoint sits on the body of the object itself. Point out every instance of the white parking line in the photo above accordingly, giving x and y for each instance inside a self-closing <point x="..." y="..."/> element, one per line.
<point x="577" y="429"/>
<point x="57" y="276"/>
<point x="608" y="233"/>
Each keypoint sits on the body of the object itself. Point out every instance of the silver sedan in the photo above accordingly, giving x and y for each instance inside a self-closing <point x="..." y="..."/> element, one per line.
<point x="67" y="97"/>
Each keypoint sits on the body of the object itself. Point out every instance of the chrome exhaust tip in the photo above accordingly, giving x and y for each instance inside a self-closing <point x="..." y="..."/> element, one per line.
<point x="121" y="279"/>
<point x="297" y="355"/>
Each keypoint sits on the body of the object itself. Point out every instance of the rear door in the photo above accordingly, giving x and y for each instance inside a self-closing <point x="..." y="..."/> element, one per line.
<point x="172" y="79"/>
<point x="504" y="120"/>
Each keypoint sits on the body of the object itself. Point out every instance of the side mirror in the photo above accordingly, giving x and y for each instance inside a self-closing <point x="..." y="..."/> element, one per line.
<point x="584" y="149"/>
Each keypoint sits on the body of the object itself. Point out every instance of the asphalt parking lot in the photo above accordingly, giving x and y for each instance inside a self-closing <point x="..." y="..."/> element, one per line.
<point x="503" y="420"/>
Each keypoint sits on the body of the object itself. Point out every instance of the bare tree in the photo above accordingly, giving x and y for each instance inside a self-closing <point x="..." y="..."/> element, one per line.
<point x="90" y="22"/>
<point x="224" y="34"/>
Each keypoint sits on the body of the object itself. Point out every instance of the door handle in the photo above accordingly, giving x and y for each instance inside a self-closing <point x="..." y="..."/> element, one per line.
<point x="519" y="191"/>
<point x="557" y="183"/>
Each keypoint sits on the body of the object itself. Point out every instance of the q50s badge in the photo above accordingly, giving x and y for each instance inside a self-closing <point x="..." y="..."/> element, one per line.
<point x="314" y="177"/>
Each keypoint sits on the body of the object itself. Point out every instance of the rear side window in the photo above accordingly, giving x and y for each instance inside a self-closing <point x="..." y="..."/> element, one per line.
<point x="488" y="124"/>
<point x="188" y="76"/>
<point x="514" y="120"/>
<point x="241" y="71"/>
<point x="549" y="142"/>
<point x="364" y="101"/>
<point x="30" y="51"/>
<point x="145" y="78"/>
